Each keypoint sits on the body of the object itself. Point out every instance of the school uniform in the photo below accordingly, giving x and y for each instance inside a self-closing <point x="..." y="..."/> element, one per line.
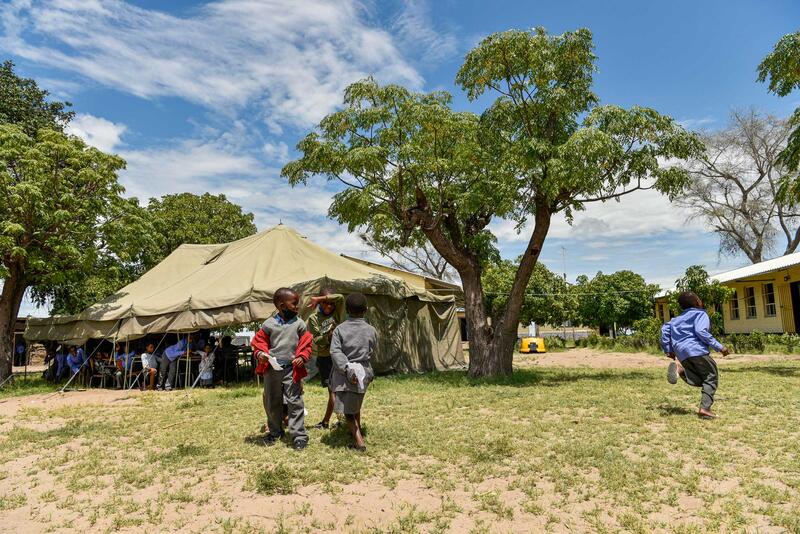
<point x="320" y="325"/>
<point x="352" y="345"/>
<point x="689" y="337"/>
<point x="207" y="369"/>
<point x="169" y="364"/>
<point x="284" y="340"/>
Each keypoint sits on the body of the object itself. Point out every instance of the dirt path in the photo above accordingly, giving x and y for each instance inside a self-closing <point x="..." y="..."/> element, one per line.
<point x="11" y="405"/>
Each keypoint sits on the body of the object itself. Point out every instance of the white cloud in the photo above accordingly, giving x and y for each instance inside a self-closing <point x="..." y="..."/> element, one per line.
<point x="277" y="152"/>
<point x="638" y="215"/>
<point x="194" y="166"/>
<point x="698" y="123"/>
<point x="97" y="131"/>
<point x="417" y="32"/>
<point x="292" y="59"/>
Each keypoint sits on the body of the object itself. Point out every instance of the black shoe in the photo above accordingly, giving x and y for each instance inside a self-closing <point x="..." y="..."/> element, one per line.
<point x="271" y="439"/>
<point x="299" y="445"/>
<point x="322" y="425"/>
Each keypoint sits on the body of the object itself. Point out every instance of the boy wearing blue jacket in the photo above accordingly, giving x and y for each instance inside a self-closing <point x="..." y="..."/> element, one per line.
<point x="687" y="340"/>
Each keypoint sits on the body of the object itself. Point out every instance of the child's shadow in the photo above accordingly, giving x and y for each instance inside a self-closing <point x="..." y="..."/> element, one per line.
<point x="668" y="410"/>
<point x="258" y="440"/>
<point x="340" y="436"/>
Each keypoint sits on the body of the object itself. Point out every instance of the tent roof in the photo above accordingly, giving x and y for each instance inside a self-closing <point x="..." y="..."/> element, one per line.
<point x="238" y="278"/>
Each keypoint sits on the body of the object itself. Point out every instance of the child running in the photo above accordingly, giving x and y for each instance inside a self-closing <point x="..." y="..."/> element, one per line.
<point x="687" y="338"/>
<point x="283" y="345"/>
<point x="328" y="315"/>
<point x="352" y="345"/>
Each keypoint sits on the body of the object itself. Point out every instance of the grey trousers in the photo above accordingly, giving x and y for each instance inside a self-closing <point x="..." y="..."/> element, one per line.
<point x="278" y="385"/>
<point x="166" y="372"/>
<point x="701" y="372"/>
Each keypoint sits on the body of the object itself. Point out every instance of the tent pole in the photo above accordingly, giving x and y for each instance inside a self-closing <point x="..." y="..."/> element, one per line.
<point x="125" y="366"/>
<point x="92" y="354"/>
<point x="186" y="375"/>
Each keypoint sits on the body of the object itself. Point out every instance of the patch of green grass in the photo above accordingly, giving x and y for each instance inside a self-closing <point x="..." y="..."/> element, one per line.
<point x="274" y="480"/>
<point x="31" y="385"/>
<point x="10" y="501"/>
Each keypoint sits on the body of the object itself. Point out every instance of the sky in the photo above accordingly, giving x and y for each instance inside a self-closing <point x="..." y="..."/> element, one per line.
<point x="213" y="96"/>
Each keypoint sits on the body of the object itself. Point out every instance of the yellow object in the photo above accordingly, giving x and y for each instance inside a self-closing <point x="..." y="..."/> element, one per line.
<point x="532" y="345"/>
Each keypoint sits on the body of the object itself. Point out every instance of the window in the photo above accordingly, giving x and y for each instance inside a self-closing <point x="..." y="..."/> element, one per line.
<point x="750" y="302"/>
<point x="735" y="306"/>
<point x="768" y="292"/>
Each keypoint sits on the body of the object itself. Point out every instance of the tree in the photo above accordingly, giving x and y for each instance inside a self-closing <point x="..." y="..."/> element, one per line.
<point x="548" y="299"/>
<point x="200" y="219"/>
<point x="782" y="68"/>
<point x="127" y="238"/>
<point x="735" y="186"/>
<point x="413" y="166"/>
<point x="613" y="301"/>
<point x="712" y="293"/>
<point x="24" y="104"/>
<point x="145" y="237"/>
<point x="60" y="198"/>
<point x="419" y="258"/>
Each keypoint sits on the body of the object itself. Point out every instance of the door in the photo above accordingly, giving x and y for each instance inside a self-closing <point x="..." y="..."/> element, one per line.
<point x="787" y="308"/>
<point x="795" y="290"/>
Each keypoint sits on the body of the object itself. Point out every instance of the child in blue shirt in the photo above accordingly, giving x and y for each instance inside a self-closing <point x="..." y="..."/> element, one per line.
<point x="687" y="340"/>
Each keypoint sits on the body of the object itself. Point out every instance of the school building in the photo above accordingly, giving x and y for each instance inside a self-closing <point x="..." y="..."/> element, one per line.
<point x="766" y="298"/>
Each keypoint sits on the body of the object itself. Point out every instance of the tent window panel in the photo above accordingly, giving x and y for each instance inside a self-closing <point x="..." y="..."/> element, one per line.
<point x="768" y="292"/>
<point x="750" y="302"/>
<point x="735" y="306"/>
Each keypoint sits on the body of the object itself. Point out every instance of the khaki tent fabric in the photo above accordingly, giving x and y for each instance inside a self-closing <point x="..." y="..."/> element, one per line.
<point x="212" y="286"/>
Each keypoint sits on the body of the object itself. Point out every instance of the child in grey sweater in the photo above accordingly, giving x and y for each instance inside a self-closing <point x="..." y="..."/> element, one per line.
<point x="352" y="345"/>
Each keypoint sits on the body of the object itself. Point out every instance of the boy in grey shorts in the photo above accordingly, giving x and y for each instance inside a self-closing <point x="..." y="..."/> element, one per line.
<point x="352" y="345"/>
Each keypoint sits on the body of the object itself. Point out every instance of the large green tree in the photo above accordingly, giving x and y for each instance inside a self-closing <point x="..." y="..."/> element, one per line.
<point x="414" y="169"/>
<point x="23" y="103"/>
<point x="167" y="223"/>
<point x="548" y="299"/>
<point x="61" y="202"/>
<point x="189" y="218"/>
<point x="616" y="300"/>
<point x="781" y="69"/>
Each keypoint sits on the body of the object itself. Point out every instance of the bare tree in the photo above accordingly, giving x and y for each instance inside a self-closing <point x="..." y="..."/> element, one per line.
<point x="422" y="259"/>
<point x="735" y="185"/>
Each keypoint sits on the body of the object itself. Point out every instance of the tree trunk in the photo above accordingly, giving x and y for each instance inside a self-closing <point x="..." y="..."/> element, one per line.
<point x="10" y="301"/>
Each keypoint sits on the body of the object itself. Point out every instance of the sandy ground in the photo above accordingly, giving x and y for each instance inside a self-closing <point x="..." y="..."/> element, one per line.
<point x="355" y="507"/>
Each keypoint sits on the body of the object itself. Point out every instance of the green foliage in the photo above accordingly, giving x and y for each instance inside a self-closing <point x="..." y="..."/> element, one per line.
<point x="24" y="104"/>
<point x="139" y="238"/>
<point x="60" y="200"/>
<point x="414" y="169"/>
<point x="547" y="297"/>
<point x="713" y="294"/>
<point x="622" y="298"/>
<point x="782" y="68"/>
<point x="199" y="219"/>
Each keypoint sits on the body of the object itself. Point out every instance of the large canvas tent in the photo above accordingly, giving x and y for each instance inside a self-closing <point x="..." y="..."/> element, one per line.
<point x="213" y="286"/>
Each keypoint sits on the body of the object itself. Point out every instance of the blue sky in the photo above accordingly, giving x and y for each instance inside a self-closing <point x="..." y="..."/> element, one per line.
<point x="212" y="96"/>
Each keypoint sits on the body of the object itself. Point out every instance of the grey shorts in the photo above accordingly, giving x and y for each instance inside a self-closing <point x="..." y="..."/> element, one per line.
<point x="348" y="402"/>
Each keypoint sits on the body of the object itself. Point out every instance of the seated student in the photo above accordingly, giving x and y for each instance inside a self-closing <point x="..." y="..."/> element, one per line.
<point x="149" y="367"/>
<point x="124" y="362"/>
<point x="61" y="363"/>
<point x="207" y="367"/>
<point x="169" y="363"/>
<point x="352" y="345"/>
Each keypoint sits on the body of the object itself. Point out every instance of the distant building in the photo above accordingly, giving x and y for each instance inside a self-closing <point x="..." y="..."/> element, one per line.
<point x="767" y="297"/>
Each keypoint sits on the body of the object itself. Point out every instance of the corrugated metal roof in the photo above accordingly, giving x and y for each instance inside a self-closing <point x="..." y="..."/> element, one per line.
<point x="775" y="264"/>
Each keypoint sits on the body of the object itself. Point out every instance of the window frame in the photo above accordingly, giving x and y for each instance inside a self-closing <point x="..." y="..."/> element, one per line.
<point x="747" y="303"/>
<point x="735" y="312"/>
<point x="774" y="302"/>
